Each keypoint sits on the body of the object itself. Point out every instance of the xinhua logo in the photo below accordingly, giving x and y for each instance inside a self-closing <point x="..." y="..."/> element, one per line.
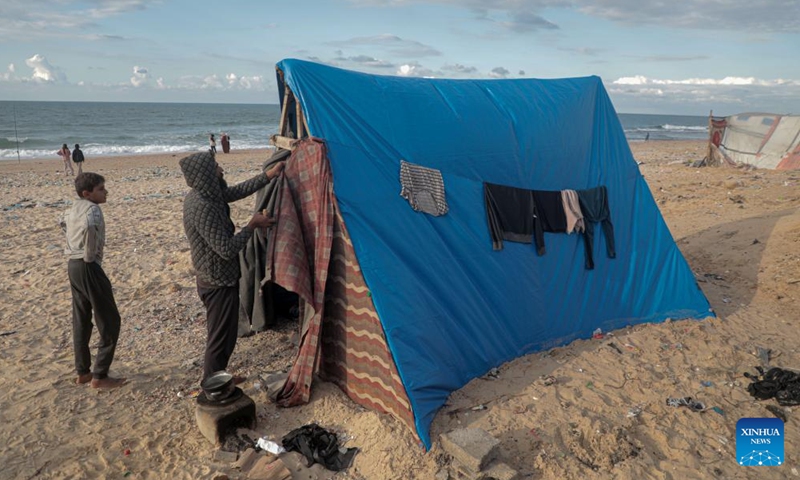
<point x="759" y="442"/>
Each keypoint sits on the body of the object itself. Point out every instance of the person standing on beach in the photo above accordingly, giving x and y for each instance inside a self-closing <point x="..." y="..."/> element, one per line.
<point x="225" y="140"/>
<point x="77" y="157"/>
<point x="212" y="143"/>
<point x="91" y="288"/>
<point x="215" y="248"/>
<point x="65" y="154"/>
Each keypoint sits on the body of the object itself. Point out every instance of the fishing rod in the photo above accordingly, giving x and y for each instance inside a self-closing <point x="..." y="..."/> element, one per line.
<point x="16" y="137"/>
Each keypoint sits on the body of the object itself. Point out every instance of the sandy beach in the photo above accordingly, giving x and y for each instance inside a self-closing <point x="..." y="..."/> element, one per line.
<point x="604" y="417"/>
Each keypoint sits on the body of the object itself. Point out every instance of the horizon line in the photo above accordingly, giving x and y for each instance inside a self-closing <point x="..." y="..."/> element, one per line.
<point x="270" y="104"/>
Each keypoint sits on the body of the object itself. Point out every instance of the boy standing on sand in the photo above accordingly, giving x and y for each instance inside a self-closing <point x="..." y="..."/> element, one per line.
<point x="91" y="289"/>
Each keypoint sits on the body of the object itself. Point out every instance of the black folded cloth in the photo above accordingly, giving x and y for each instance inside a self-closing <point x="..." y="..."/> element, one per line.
<point x="319" y="446"/>
<point x="783" y="385"/>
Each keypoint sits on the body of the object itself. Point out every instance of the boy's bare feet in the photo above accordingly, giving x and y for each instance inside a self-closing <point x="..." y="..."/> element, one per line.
<point x="239" y="379"/>
<point x="108" y="382"/>
<point x="85" y="378"/>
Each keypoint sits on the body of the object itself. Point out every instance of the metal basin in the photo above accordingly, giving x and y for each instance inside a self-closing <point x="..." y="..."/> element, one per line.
<point x="218" y="386"/>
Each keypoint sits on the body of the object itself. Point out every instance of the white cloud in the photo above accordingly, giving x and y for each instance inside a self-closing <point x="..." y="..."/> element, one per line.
<point x="406" y="70"/>
<point x="44" y="72"/>
<point x="369" y="61"/>
<point x="727" y="94"/>
<point x="459" y="70"/>
<point x="254" y="82"/>
<point x="236" y="82"/>
<point x="414" y="69"/>
<point x="727" y="81"/>
<point x="499" y="72"/>
<point x="9" y="75"/>
<point x="230" y="82"/>
<point x="213" y="82"/>
<point x="140" y="76"/>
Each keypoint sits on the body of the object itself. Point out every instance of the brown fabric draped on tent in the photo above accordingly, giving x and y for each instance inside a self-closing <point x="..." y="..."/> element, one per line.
<point x="310" y="253"/>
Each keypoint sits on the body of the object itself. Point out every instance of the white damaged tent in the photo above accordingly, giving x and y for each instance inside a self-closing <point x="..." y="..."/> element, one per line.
<point x="763" y="140"/>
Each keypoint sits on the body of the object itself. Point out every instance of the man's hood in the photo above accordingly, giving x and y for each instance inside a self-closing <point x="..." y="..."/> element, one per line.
<point x="200" y="172"/>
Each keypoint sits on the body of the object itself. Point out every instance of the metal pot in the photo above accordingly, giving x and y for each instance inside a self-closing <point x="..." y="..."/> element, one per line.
<point x="218" y="386"/>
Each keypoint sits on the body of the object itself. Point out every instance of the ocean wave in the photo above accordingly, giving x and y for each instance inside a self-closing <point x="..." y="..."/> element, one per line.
<point x="685" y="128"/>
<point x="93" y="150"/>
<point x="668" y="127"/>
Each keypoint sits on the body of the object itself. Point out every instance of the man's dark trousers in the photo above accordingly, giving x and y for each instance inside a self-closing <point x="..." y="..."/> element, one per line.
<point x="222" y="318"/>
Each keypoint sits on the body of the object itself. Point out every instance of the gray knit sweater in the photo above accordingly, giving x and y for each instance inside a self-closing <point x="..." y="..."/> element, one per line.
<point x="207" y="221"/>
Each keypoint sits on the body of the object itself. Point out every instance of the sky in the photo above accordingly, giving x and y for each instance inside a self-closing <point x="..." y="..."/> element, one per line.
<point x="662" y="57"/>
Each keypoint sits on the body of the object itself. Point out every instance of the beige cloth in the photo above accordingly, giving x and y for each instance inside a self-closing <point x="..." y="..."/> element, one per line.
<point x="572" y="208"/>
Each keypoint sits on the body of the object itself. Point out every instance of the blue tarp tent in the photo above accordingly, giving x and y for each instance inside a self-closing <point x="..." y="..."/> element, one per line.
<point x="450" y="307"/>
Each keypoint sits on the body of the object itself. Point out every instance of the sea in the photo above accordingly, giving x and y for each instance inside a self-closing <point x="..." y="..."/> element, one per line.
<point x="35" y="130"/>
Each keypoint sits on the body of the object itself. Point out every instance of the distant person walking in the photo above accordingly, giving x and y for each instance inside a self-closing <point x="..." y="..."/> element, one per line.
<point x="647" y="137"/>
<point x="66" y="154"/>
<point x="225" y="140"/>
<point x="212" y="144"/>
<point x="77" y="157"/>
<point x="91" y="289"/>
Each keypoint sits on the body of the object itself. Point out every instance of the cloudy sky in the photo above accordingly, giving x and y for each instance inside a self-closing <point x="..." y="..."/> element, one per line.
<point x="679" y="56"/>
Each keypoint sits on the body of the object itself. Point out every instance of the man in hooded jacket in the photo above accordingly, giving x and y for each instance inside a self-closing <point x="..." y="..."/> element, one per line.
<point x="215" y="248"/>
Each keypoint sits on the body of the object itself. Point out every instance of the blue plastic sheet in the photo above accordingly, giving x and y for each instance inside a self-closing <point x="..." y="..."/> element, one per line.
<point x="451" y="307"/>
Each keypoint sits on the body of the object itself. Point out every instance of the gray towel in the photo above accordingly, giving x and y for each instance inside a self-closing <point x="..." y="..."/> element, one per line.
<point x="423" y="188"/>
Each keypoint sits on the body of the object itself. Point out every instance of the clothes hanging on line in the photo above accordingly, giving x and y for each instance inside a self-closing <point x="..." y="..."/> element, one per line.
<point x="521" y="215"/>
<point x="594" y="205"/>
<point x="573" y="211"/>
<point x="510" y="212"/>
<point x="550" y="216"/>
<point x="423" y="187"/>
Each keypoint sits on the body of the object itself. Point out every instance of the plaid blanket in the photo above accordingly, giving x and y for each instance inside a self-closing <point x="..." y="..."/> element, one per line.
<point x="299" y="254"/>
<point x="311" y="253"/>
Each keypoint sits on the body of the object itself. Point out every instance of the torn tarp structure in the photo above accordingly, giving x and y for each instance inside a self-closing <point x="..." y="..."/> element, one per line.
<point x="762" y="140"/>
<point x="401" y="308"/>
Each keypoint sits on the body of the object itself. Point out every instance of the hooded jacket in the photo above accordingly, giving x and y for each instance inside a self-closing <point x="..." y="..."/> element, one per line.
<point x="207" y="220"/>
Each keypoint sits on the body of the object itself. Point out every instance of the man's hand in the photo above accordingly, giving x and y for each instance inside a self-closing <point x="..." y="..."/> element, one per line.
<point x="275" y="170"/>
<point x="260" y="221"/>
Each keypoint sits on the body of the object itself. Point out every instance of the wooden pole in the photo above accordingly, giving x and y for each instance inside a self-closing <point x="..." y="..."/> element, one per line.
<point x="305" y="124"/>
<point x="285" y="110"/>
<point x="298" y="112"/>
<point x="710" y="160"/>
<point x="15" y="132"/>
